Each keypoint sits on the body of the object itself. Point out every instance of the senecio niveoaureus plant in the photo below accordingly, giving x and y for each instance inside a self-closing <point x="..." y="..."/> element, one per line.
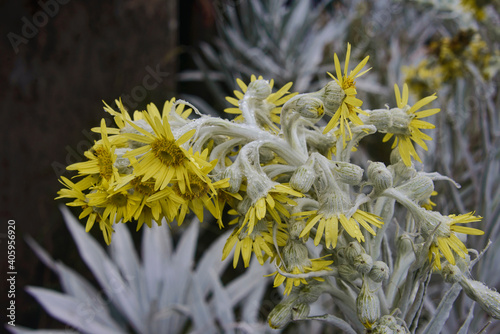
<point x="297" y="200"/>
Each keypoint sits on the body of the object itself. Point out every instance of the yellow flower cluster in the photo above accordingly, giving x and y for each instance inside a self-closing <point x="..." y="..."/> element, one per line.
<point x="273" y="166"/>
<point x="448" y="60"/>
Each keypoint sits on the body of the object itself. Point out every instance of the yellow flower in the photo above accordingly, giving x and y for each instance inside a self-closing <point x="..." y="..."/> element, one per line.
<point x="101" y="159"/>
<point x="328" y="224"/>
<point x="411" y="131"/>
<point x="260" y="241"/>
<point x="162" y="156"/>
<point x="445" y="244"/>
<point x="349" y="108"/>
<point x="315" y="265"/>
<point x="118" y="203"/>
<point x="269" y="109"/>
<point x="270" y="204"/>
<point x="148" y="210"/>
<point x="200" y="192"/>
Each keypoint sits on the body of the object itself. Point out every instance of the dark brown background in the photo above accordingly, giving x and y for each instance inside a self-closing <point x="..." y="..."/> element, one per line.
<point x="51" y="94"/>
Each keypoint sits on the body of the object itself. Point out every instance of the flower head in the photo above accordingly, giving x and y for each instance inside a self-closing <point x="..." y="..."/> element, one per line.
<point x="257" y="99"/>
<point x="408" y="128"/>
<point x="446" y="239"/>
<point x="162" y="156"/>
<point x="349" y="108"/>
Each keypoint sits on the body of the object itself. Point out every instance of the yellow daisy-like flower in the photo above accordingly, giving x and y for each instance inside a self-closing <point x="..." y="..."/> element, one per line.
<point x="162" y="156"/>
<point x="328" y="224"/>
<point x="147" y="211"/>
<point x="349" y="108"/>
<point x="316" y="265"/>
<point x="101" y="159"/>
<point x="118" y="204"/>
<point x="412" y="130"/>
<point x="200" y="193"/>
<point x="260" y="241"/>
<point x="444" y="245"/>
<point x="271" y="105"/>
<point x="272" y="204"/>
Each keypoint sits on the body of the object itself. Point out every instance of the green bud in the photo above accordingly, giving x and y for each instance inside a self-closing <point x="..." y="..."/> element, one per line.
<point x="363" y="263"/>
<point x="352" y="250"/>
<point x="379" y="176"/>
<point x="379" y="271"/>
<point x="488" y="299"/>
<point x="367" y="306"/>
<point x="347" y="173"/>
<point x="235" y="177"/>
<point x="300" y="311"/>
<point x="306" y="105"/>
<point x="347" y="273"/>
<point x="451" y="274"/>
<point x="303" y="178"/>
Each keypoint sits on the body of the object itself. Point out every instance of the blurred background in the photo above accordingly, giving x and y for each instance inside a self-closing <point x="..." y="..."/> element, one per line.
<point x="60" y="59"/>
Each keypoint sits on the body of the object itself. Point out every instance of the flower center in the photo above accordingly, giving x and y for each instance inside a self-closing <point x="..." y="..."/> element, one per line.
<point x="143" y="187"/>
<point x="348" y="82"/>
<point x="198" y="188"/>
<point x="168" y="152"/>
<point x="118" y="200"/>
<point x="104" y="161"/>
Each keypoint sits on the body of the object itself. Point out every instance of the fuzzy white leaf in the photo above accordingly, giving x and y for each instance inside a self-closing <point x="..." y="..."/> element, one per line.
<point x="71" y="311"/>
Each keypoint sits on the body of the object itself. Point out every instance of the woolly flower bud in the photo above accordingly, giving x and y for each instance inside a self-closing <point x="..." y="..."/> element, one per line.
<point x="333" y="95"/>
<point x="258" y="185"/>
<point x="353" y="250"/>
<point x="488" y="299"/>
<point x="367" y="306"/>
<point x="381" y="118"/>
<point x="306" y="105"/>
<point x="235" y="177"/>
<point x="347" y="173"/>
<point x="418" y="188"/>
<point x="347" y="273"/>
<point x="404" y="244"/>
<point x="281" y="314"/>
<point x="265" y="155"/>
<point x="295" y="253"/>
<point x="303" y="178"/>
<point x="400" y="122"/>
<point x="379" y="176"/>
<point x="379" y="272"/>
<point x="363" y="263"/>
<point x="259" y="89"/>
<point x="295" y="227"/>
<point x="451" y="274"/>
<point x="300" y="311"/>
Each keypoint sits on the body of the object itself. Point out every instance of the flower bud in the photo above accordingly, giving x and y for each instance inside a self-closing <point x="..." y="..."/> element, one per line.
<point x="259" y="89"/>
<point x="300" y="311"/>
<point x="418" y="188"/>
<point x="295" y="253"/>
<point x="332" y="95"/>
<point x="400" y="122"/>
<point x="488" y="299"/>
<point x="363" y="263"/>
<point x="404" y="244"/>
<point x="281" y="314"/>
<point x="306" y="105"/>
<point x="382" y="329"/>
<point x="381" y="118"/>
<point x="295" y="227"/>
<point x="347" y="273"/>
<point x="303" y="178"/>
<point x="379" y="272"/>
<point x="451" y="274"/>
<point x="235" y="177"/>
<point x="379" y="176"/>
<point x="352" y="250"/>
<point x="347" y="173"/>
<point x="402" y="171"/>
<point x="367" y="306"/>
